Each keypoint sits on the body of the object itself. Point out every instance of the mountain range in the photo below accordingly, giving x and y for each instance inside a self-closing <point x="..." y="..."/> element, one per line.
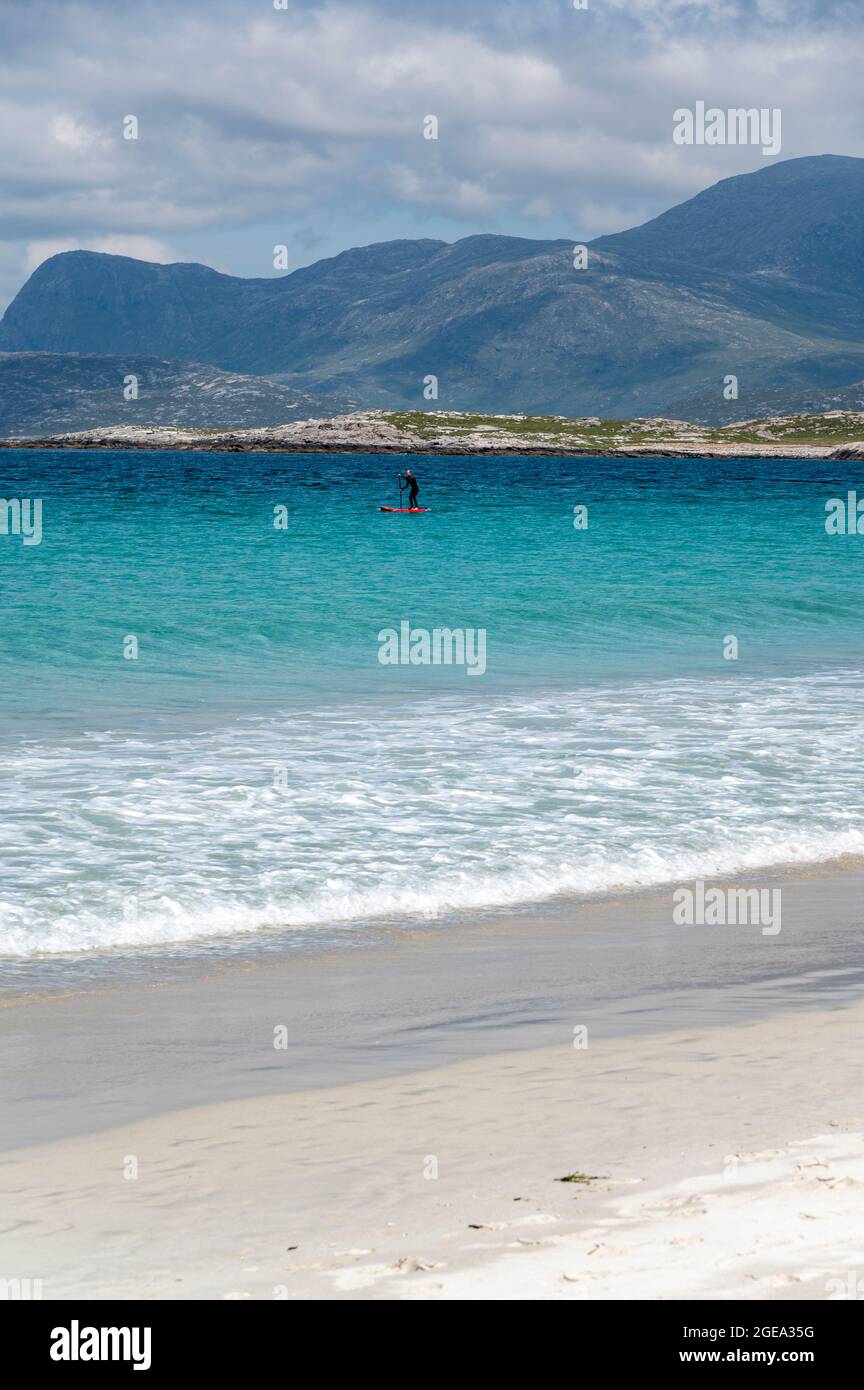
<point x="760" y="277"/>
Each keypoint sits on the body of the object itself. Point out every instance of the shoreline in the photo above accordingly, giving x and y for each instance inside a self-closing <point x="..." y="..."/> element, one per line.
<point x="408" y="1136"/>
<point x="196" y="958"/>
<point x="442" y="451"/>
<point x="835" y="434"/>
<point x="425" y="996"/>
<point x="447" y="1184"/>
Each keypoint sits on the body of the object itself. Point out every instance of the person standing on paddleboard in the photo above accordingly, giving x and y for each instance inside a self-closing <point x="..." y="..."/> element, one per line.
<point x="411" y="484"/>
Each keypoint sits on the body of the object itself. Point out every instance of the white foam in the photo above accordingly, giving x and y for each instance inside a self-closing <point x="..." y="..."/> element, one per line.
<point x="118" y="842"/>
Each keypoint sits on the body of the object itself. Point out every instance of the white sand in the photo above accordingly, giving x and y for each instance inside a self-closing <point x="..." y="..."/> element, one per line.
<point x="726" y="1163"/>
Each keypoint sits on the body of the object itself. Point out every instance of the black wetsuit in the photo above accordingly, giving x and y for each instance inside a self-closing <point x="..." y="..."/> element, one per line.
<point x="412" y="491"/>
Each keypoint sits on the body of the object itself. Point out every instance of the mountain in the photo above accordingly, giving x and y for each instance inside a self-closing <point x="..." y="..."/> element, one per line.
<point x="760" y="276"/>
<point x="797" y="222"/>
<point x="786" y="241"/>
<point x="43" y="392"/>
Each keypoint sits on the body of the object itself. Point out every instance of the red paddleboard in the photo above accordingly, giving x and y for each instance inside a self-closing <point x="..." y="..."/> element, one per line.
<point x="404" y="509"/>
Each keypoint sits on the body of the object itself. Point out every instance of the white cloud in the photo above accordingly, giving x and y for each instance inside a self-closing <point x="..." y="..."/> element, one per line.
<point x="142" y="248"/>
<point x="71" y="133"/>
<point x="251" y="116"/>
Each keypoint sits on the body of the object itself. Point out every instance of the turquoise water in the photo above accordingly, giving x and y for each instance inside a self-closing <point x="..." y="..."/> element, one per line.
<point x="257" y="770"/>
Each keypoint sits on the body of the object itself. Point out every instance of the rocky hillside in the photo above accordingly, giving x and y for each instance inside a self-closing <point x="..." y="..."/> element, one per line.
<point x="48" y="393"/>
<point x="761" y="276"/>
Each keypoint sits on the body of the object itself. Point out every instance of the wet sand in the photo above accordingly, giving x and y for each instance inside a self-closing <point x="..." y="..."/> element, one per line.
<point x="420" y="997"/>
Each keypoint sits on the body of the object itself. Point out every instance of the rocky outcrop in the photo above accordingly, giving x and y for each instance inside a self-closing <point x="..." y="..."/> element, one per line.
<point x="382" y="432"/>
<point x="849" y="451"/>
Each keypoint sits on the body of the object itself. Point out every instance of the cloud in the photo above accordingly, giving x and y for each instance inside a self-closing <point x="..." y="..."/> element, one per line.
<point x="311" y="118"/>
<point x="142" y="248"/>
<point x="71" y="133"/>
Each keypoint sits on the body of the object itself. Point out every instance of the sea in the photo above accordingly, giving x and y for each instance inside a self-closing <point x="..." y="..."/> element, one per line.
<point x="203" y="751"/>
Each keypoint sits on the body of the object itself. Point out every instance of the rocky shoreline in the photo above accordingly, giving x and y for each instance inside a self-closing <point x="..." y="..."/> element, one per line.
<point x="381" y="432"/>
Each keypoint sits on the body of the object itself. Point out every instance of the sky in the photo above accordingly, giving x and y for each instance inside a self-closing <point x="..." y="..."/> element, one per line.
<point x="303" y="125"/>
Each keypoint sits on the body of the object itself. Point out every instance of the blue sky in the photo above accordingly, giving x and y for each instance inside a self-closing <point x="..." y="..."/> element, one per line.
<point x="304" y="125"/>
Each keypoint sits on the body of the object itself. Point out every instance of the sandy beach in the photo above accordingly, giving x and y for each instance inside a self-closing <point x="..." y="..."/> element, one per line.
<point x="722" y="1161"/>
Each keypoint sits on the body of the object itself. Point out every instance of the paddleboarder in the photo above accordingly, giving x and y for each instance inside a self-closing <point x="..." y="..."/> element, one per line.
<point x="411" y="484"/>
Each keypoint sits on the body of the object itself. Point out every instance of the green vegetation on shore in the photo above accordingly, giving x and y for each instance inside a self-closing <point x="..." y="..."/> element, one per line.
<point x="831" y="429"/>
<point x="419" y="431"/>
